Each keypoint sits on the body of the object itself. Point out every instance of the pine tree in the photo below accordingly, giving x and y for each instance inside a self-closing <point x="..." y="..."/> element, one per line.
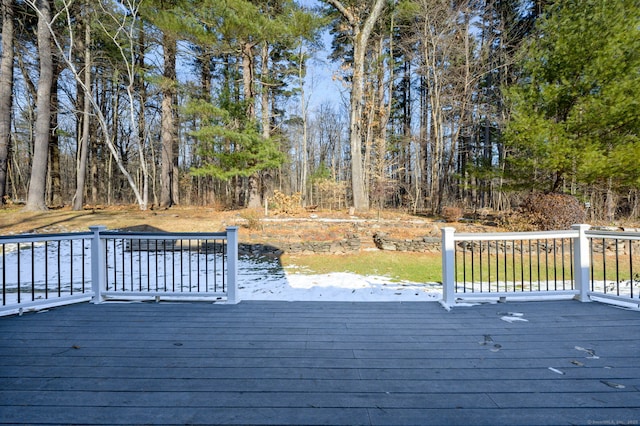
<point x="230" y="144"/>
<point x="575" y="112"/>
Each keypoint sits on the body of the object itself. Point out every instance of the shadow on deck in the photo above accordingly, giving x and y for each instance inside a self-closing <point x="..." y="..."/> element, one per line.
<point x="560" y="362"/>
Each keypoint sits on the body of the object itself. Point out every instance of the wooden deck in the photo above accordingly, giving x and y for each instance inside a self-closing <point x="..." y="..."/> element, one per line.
<point x="321" y="363"/>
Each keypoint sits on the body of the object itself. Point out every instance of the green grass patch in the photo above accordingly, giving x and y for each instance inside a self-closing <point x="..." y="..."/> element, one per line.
<point x="400" y="266"/>
<point x="427" y="267"/>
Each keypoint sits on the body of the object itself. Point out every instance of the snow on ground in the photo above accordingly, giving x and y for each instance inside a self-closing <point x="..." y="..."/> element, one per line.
<point x="266" y="280"/>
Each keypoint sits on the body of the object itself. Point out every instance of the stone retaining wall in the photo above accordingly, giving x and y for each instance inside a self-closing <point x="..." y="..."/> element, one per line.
<point x="344" y="246"/>
<point x="422" y="245"/>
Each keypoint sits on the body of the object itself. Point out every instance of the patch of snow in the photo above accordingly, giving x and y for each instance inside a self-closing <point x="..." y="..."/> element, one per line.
<point x="513" y="319"/>
<point x="261" y="280"/>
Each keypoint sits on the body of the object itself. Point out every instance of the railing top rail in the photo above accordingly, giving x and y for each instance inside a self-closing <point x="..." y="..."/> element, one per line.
<point x="165" y="235"/>
<point x="620" y="235"/>
<point x="515" y="236"/>
<point x="28" y="238"/>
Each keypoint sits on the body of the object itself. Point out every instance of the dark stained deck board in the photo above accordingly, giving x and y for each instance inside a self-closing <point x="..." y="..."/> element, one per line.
<point x="321" y="363"/>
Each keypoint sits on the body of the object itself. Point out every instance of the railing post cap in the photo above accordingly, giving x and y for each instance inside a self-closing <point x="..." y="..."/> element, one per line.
<point x="448" y="229"/>
<point x="580" y="226"/>
<point x="98" y="228"/>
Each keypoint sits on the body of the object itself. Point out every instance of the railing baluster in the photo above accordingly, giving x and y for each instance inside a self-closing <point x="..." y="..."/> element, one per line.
<point x="530" y="266"/>
<point x="215" y="265"/>
<point x="198" y="264"/>
<point x="591" y="265"/>
<point x="631" y="276"/>
<point x="130" y="254"/>
<point x="489" y="266"/>
<point x="4" y="276"/>
<point x="604" y="264"/>
<point x="501" y="248"/>
<point x="617" y="268"/>
<point x="464" y="269"/>
<point x="19" y="274"/>
<point x="58" y="272"/>
<point x="181" y="267"/>
<point x="173" y="266"/>
<point x="139" y="255"/>
<point x="206" y="264"/>
<point x="224" y="252"/>
<point x="83" y="266"/>
<point x="521" y="265"/>
<point x="46" y="269"/>
<point x="190" y="274"/>
<point x="33" y="272"/>
<point x="538" y="262"/>
<point x="164" y="264"/>
<point x="473" y="267"/>
<point x="513" y="263"/>
<point x="546" y="262"/>
<point x="563" y="262"/>
<point x="555" y="265"/>
<point x="71" y="267"/>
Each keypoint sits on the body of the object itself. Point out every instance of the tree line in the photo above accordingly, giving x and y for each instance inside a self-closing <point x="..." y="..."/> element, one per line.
<point x="446" y="103"/>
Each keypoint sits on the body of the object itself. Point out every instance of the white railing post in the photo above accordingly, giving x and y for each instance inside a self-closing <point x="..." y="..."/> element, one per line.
<point x="232" y="265"/>
<point x="448" y="266"/>
<point x="98" y="272"/>
<point x="581" y="263"/>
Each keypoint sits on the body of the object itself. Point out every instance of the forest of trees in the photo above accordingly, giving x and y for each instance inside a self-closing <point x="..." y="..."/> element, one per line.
<point x="473" y="104"/>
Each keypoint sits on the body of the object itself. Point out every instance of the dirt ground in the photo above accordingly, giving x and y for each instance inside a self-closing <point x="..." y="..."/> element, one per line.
<point x="254" y="226"/>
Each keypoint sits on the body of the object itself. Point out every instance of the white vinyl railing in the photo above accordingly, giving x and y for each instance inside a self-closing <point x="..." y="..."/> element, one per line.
<point x="579" y="263"/>
<point x="39" y="271"/>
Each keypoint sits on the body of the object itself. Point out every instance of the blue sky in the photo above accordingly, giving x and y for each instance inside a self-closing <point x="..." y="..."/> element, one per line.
<point x="320" y="85"/>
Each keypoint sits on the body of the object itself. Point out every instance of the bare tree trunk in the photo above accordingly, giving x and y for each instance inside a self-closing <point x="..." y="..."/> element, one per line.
<point x="168" y="122"/>
<point x="611" y="202"/>
<point x="360" y="39"/>
<point x="254" y="199"/>
<point x="6" y="92"/>
<point x="37" y="182"/>
<point x="95" y="173"/>
<point x="247" y="79"/>
<point x="83" y="148"/>
<point x="264" y="177"/>
<point x="305" y="134"/>
<point x="175" y="175"/>
<point x="264" y="94"/>
<point x="55" y="188"/>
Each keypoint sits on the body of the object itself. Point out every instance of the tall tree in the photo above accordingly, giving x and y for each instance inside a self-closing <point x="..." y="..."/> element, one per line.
<point x="168" y="133"/>
<point x="6" y="91"/>
<point x="85" y="102"/>
<point x="169" y="16"/>
<point x="37" y="182"/>
<point x="54" y="179"/>
<point x="360" y="25"/>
